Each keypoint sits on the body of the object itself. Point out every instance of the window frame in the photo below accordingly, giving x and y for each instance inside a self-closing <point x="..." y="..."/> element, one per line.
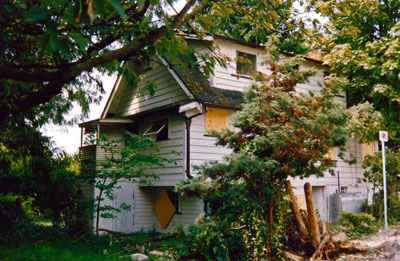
<point x="253" y="64"/>
<point x="154" y="133"/>
<point x="175" y="199"/>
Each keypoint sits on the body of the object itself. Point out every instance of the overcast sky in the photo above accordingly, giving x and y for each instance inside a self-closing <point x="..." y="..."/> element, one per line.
<point x="67" y="137"/>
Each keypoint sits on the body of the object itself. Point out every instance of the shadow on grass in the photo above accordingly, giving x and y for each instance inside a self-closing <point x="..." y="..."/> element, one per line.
<point x="51" y="244"/>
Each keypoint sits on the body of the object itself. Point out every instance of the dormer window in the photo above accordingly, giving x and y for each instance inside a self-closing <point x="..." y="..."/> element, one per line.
<point x="246" y="63"/>
<point x="158" y="130"/>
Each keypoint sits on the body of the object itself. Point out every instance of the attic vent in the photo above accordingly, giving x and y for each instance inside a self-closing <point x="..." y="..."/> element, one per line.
<point x="158" y="130"/>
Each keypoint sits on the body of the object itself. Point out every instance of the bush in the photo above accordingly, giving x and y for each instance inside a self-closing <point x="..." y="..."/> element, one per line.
<point x="358" y="224"/>
<point x="373" y="175"/>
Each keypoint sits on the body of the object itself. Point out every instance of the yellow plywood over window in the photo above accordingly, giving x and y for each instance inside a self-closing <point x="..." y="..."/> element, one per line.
<point x="215" y="119"/>
<point x="368" y="149"/>
<point x="301" y="201"/>
<point x="164" y="209"/>
<point x="331" y="154"/>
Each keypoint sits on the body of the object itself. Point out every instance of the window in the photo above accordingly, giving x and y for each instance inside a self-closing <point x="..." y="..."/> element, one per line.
<point x="369" y="148"/>
<point x="145" y="64"/>
<point x="245" y="63"/>
<point x="158" y="130"/>
<point x="132" y="128"/>
<point x="142" y="64"/>
<point x="174" y="198"/>
<point x="215" y="119"/>
<point x="331" y="154"/>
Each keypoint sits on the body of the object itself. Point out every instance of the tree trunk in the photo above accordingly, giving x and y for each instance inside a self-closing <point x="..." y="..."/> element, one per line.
<point x="270" y="223"/>
<point x="312" y="217"/>
<point x="98" y="208"/>
<point x="299" y="219"/>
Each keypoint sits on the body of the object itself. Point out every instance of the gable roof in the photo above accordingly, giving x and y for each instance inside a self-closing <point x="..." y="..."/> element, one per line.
<point x="201" y="89"/>
<point x="197" y="86"/>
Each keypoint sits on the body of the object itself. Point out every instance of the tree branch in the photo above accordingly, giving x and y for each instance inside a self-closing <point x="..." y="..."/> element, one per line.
<point x="130" y="49"/>
<point x="57" y="79"/>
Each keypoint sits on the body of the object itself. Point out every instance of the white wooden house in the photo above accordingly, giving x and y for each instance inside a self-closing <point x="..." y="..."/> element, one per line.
<point x="185" y="106"/>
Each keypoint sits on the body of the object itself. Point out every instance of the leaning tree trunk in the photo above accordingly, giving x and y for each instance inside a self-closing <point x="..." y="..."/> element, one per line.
<point x="299" y="220"/>
<point x="312" y="217"/>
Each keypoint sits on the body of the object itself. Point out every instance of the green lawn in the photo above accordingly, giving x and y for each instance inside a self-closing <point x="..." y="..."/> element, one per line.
<point x="92" y="248"/>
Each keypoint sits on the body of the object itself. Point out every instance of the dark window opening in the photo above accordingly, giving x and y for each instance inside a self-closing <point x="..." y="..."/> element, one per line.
<point x="174" y="197"/>
<point x="142" y="64"/>
<point x="158" y="130"/>
<point x="132" y="128"/>
<point x="246" y="63"/>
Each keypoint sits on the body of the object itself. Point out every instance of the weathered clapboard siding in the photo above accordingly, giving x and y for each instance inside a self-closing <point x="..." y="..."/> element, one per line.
<point x="226" y="78"/>
<point x="171" y="173"/>
<point x="202" y="147"/>
<point x="129" y="101"/>
<point x="146" y="219"/>
<point x="350" y="177"/>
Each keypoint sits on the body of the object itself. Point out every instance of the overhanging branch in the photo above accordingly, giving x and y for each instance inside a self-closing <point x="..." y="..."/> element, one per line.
<point x="68" y="73"/>
<point x="57" y="79"/>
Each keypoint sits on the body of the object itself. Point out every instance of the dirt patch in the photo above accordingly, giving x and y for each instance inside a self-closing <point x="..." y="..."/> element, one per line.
<point x="384" y="245"/>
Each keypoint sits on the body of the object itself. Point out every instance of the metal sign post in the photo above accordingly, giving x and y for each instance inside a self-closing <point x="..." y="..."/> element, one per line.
<point x="384" y="137"/>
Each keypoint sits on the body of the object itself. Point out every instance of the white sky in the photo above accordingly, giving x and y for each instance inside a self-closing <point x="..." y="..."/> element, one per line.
<point x="68" y="137"/>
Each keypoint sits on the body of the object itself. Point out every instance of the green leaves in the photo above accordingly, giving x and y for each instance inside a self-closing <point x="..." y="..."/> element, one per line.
<point x="79" y="40"/>
<point x="364" y="44"/>
<point x="116" y="4"/>
<point x="37" y="13"/>
<point x="278" y="134"/>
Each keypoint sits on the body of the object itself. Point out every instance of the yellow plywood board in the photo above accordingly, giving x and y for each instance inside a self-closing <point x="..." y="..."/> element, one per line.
<point x="164" y="209"/>
<point x="331" y="154"/>
<point x="368" y="149"/>
<point x="301" y="201"/>
<point x="215" y="119"/>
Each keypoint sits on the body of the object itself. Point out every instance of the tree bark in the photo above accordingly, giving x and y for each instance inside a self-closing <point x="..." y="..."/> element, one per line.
<point x="320" y="246"/>
<point x="98" y="208"/>
<point x="270" y="226"/>
<point x="53" y="81"/>
<point x="312" y="217"/>
<point x="302" y="227"/>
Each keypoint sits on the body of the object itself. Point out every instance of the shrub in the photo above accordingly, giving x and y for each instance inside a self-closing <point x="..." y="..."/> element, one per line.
<point x="358" y="224"/>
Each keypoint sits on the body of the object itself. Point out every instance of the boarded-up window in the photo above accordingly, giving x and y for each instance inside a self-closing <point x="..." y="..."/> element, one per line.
<point x="164" y="209"/>
<point x="215" y="119"/>
<point x="368" y="149"/>
<point x="331" y="154"/>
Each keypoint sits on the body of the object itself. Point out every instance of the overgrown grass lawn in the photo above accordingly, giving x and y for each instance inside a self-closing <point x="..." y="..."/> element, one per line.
<point x="90" y="248"/>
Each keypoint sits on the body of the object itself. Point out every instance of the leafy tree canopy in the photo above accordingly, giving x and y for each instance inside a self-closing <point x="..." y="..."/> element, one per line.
<point x="254" y="21"/>
<point x="50" y="48"/>
<point x="362" y="41"/>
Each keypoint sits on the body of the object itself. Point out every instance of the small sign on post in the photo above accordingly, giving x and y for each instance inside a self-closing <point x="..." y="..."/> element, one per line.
<point x="384" y="137"/>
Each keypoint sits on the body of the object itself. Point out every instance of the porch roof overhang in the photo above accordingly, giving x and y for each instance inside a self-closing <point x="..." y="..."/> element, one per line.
<point x="108" y="121"/>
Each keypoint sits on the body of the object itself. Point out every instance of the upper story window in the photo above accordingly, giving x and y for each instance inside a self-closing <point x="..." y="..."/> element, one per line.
<point x="140" y="64"/>
<point x="246" y="63"/>
<point x="158" y="130"/>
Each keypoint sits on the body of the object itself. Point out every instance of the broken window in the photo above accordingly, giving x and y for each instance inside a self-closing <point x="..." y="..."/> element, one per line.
<point x="245" y="63"/>
<point x="158" y="130"/>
